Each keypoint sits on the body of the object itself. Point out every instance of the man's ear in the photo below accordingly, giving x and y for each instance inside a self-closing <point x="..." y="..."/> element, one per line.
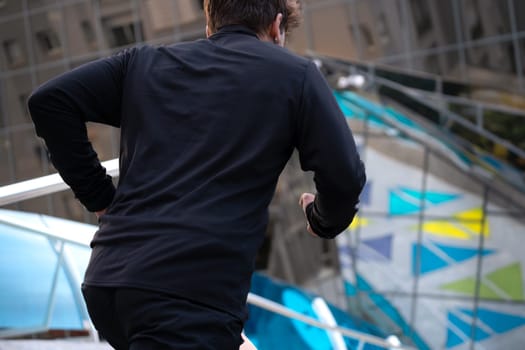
<point x="276" y="34"/>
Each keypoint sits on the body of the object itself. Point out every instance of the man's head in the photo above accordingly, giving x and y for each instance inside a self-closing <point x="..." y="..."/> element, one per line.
<point x="270" y="19"/>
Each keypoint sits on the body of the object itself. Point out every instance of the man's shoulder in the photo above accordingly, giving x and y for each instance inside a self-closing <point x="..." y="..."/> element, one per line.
<point x="283" y="57"/>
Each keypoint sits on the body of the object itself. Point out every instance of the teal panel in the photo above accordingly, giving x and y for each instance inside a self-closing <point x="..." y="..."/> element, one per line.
<point x="432" y="197"/>
<point x="459" y="254"/>
<point x="400" y="206"/>
<point x="453" y="339"/>
<point x="388" y="309"/>
<point x="66" y="312"/>
<point x="466" y="329"/>
<point x="497" y="321"/>
<point x="429" y="260"/>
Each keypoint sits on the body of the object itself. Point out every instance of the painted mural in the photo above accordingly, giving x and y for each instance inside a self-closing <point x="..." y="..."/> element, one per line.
<point x="421" y="252"/>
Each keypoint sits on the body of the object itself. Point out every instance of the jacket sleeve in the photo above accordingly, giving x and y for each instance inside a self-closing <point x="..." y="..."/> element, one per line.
<point x="60" y="109"/>
<point x="326" y="147"/>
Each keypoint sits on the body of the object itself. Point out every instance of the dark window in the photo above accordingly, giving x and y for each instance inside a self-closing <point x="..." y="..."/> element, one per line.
<point x="87" y="30"/>
<point x="13" y="52"/>
<point x="22" y="99"/>
<point x="366" y="34"/>
<point x="48" y="41"/>
<point x="122" y="35"/>
<point x="422" y="17"/>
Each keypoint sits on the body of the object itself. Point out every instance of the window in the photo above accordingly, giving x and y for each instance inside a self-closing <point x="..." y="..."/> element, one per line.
<point x="382" y="29"/>
<point x="122" y="35"/>
<point x="48" y="41"/>
<point x="422" y="17"/>
<point x="366" y="35"/>
<point x="87" y="30"/>
<point x="22" y="99"/>
<point x="189" y="11"/>
<point x="13" y="52"/>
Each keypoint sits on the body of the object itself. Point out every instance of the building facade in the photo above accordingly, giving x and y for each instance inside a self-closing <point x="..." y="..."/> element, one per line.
<point x="477" y="41"/>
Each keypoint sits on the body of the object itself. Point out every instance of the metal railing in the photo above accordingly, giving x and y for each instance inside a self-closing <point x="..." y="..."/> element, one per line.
<point x="430" y="100"/>
<point x="370" y="71"/>
<point x="50" y="184"/>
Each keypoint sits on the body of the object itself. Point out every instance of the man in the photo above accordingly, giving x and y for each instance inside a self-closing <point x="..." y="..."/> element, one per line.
<point x="206" y="129"/>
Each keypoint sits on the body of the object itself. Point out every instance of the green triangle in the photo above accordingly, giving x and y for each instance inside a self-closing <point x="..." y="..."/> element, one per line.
<point x="468" y="286"/>
<point x="509" y="280"/>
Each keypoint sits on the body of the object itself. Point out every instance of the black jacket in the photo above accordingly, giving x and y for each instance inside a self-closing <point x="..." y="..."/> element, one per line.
<point x="206" y="129"/>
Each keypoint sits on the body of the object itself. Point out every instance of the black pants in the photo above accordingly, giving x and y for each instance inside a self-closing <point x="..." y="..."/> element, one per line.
<point x="142" y="320"/>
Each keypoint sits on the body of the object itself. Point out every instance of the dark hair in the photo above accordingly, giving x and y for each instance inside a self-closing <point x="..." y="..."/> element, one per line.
<point x="257" y="15"/>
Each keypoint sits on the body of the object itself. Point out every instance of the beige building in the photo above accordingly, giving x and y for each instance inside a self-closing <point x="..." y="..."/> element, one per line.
<point x="478" y="41"/>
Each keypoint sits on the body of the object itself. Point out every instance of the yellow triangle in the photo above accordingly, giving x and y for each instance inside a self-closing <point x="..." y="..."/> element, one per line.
<point x="471" y="219"/>
<point x="446" y="229"/>
<point x="358" y="222"/>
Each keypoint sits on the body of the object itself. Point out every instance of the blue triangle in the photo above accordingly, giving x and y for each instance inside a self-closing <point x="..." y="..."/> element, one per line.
<point x="382" y="245"/>
<point x="453" y="339"/>
<point x="429" y="260"/>
<point x="432" y="197"/>
<point x="461" y="254"/>
<point x="400" y="206"/>
<point x="466" y="328"/>
<point x="365" y="194"/>
<point x="498" y="322"/>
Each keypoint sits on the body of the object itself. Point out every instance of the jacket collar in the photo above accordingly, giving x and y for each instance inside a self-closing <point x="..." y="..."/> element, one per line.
<point x="234" y="29"/>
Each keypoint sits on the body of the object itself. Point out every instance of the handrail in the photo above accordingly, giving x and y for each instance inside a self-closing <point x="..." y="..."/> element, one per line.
<point x="50" y="184"/>
<point x="44" y="185"/>
<point x="444" y="111"/>
<point x="437" y="79"/>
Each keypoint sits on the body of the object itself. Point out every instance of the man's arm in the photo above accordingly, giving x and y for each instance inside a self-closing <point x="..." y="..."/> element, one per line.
<point x="326" y="147"/>
<point x="60" y="109"/>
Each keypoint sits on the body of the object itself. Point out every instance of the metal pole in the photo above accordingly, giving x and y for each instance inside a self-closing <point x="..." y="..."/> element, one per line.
<point x="517" y="49"/>
<point x="459" y="37"/>
<point x="421" y="218"/>
<point x="51" y="300"/>
<point x="477" y="290"/>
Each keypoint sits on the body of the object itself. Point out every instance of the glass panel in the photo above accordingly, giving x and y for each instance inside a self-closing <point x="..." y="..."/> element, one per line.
<point x="298" y="40"/>
<point x="519" y="13"/>
<point x="44" y="75"/>
<point x="118" y="23"/>
<point x="191" y="19"/>
<point x="167" y="20"/>
<point x="493" y="64"/>
<point x="499" y="326"/>
<point x="35" y="4"/>
<point x="8" y="7"/>
<point x="47" y="29"/>
<point x="5" y="166"/>
<point x="443" y="19"/>
<point x="17" y="90"/>
<point x="67" y="206"/>
<point x="13" y="45"/>
<point x="102" y="139"/>
<point x="452" y="191"/>
<point x="161" y="20"/>
<point x="332" y="35"/>
<point x="441" y="323"/>
<point x="433" y="24"/>
<point x="484" y="18"/>
<point x="27" y="149"/>
<point x="80" y="29"/>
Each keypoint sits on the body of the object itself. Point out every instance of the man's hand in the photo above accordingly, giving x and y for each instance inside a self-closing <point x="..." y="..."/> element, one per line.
<point x="100" y="213"/>
<point x="304" y="200"/>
